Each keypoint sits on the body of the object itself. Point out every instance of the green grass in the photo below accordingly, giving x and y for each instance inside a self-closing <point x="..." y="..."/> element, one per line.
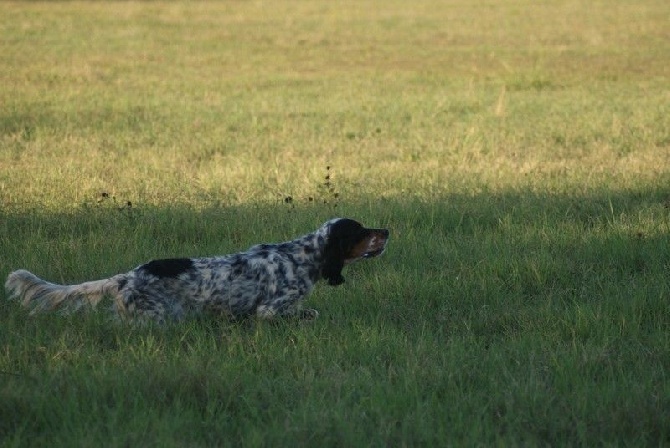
<point x="519" y="153"/>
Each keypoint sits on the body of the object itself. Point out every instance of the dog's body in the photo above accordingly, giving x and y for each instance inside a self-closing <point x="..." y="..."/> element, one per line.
<point x="268" y="280"/>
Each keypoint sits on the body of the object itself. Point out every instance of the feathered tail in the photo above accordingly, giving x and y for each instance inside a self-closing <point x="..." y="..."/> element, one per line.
<point x="40" y="295"/>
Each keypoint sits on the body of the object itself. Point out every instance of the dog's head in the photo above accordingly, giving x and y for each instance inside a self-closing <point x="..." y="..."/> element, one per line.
<point x="348" y="241"/>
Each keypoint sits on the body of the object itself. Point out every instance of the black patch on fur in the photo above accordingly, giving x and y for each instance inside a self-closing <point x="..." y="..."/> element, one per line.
<point x="168" y="268"/>
<point x="238" y="267"/>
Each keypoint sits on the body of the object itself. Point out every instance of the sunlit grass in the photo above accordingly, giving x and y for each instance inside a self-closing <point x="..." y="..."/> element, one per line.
<point x="245" y="101"/>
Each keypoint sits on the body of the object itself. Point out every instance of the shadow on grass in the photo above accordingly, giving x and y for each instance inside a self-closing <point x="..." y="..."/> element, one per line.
<point x="488" y="264"/>
<point x="538" y="318"/>
<point x="626" y="232"/>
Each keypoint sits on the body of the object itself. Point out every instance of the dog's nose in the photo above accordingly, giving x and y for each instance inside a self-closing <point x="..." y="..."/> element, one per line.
<point x="385" y="232"/>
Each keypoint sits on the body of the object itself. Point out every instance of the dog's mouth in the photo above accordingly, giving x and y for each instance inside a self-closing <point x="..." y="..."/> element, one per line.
<point x="373" y="246"/>
<point x="374" y="253"/>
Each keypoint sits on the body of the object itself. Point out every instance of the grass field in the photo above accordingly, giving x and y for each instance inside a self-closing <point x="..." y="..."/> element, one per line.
<point x="519" y="152"/>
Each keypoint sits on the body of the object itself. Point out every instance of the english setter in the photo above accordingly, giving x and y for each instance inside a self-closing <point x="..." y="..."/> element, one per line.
<point x="268" y="280"/>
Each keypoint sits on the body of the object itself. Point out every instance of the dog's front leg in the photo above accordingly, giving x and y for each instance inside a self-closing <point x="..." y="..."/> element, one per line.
<point x="289" y="305"/>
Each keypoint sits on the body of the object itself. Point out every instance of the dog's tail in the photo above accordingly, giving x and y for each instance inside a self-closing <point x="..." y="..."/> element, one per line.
<point x="40" y="295"/>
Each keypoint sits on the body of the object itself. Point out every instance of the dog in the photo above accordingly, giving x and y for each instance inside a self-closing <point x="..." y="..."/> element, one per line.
<point x="268" y="280"/>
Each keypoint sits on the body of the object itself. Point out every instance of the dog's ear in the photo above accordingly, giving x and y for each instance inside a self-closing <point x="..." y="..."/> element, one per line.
<point x="342" y="235"/>
<point x="332" y="269"/>
<point x="333" y="263"/>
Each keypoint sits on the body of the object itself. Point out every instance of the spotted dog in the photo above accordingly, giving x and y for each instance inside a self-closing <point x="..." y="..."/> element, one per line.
<point x="268" y="280"/>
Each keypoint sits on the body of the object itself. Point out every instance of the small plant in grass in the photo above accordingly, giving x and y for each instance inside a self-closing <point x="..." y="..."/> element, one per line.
<point x="326" y="193"/>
